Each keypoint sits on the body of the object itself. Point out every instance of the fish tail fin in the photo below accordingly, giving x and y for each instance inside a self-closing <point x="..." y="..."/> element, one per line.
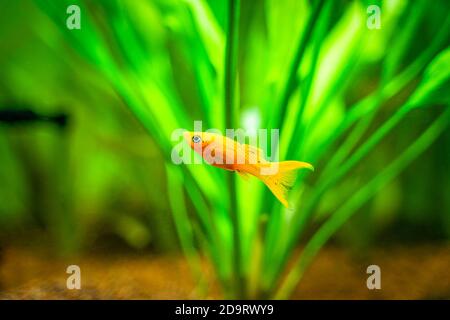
<point x="283" y="180"/>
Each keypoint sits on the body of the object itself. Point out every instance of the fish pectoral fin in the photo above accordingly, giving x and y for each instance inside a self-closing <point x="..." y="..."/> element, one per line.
<point x="255" y="155"/>
<point x="243" y="175"/>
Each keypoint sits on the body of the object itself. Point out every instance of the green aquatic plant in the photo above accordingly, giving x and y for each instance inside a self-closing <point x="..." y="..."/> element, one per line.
<point x="301" y="67"/>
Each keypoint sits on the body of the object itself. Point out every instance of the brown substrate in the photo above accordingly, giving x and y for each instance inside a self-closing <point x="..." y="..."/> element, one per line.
<point x="418" y="272"/>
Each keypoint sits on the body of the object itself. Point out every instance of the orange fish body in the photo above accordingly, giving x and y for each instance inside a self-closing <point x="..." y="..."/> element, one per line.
<point x="225" y="153"/>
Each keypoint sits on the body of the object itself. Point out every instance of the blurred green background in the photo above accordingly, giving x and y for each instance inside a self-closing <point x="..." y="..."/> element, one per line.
<point x="102" y="182"/>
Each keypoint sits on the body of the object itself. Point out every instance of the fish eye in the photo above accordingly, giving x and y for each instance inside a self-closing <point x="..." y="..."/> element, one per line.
<point x="196" y="139"/>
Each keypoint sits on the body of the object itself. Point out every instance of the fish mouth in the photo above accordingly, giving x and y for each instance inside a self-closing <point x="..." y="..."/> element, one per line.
<point x="188" y="136"/>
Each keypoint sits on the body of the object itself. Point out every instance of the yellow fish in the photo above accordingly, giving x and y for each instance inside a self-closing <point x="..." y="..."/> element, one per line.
<point x="228" y="154"/>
